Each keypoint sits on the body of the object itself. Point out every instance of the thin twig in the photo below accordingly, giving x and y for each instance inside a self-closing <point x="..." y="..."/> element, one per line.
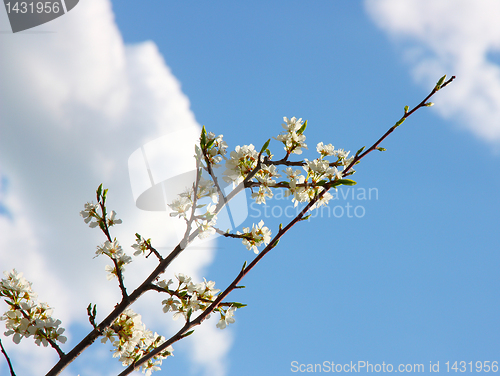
<point x="153" y="250"/>
<point x="105" y="230"/>
<point x="406" y="115"/>
<point x="11" y="368"/>
<point x="51" y="342"/>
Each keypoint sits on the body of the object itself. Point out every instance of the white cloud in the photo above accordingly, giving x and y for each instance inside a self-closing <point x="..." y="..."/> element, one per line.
<point x="454" y="37"/>
<point x="75" y="103"/>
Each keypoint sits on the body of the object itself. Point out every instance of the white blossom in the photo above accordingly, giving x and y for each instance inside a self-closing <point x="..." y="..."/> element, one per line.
<point x="111" y="219"/>
<point x="292" y="140"/>
<point x="140" y="245"/>
<point x="26" y="316"/>
<point x="90" y="213"/>
<point x="226" y="318"/>
<point x="325" y="150"/>
<point x="132" y="341"/>
<point x="180" y="206"/>
<point x="261" y="195"/>
<point x="255" y="237"/>
<point x="241" y="162"/>
<point x="217" y="151"/>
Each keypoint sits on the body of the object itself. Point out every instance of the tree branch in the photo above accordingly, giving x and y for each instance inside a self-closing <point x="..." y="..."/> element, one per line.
<point x="11" y="368"/>
<point x="357" y="158"/>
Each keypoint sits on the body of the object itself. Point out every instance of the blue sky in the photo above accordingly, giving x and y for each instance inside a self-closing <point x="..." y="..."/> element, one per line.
<point x="411" y="281"/>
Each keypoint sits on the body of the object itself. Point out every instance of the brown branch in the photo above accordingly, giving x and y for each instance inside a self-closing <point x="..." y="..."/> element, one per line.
<point x="51" y="342"/>
<point x="214" y="178"/>
<point x="105" y="230"/>
<point x="11" y="368"/>
<point x="154" y="251"/>
<point x="357" y="158"/>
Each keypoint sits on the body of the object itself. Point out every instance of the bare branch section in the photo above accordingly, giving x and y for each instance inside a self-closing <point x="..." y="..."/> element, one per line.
<point x="11" y="368"/>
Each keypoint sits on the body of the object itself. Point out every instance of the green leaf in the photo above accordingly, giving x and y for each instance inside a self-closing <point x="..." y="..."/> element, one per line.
<point x="401" y="121"/>
<point x="406" y="109"/>
<point x="187" y="334"/>
<point x="303" y="128"/>
<point x="381" y="149"/>
<point x="440" y="82"/>
<point x="359" y="151"/>
<point x="99" y="191"/>
<point x="210" y="143"/>
<point x="244" y="266"/>
<point x="238" y="305"/>
<point x="346" y="182"/>
<point x="335" y="183"/>
<point x="203" y="138"/>
<point x="306" y="217"/>
<point x="265" y="146"/>
<point x="276" y="243"/>
<point x="321" y="183"/>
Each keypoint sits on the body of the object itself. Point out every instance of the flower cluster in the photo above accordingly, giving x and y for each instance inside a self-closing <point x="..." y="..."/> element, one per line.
<point x="26" y="316"/>
<point x="265" y="176"/>
<point x="259" y="235"/>
<point x="93" y="219"/>
<point x="185" y="201"/>
<point x="141" y="245"/>
<point x="343" y="158"/>
<point x="293" y="137"/>
<point x="215" y="149"/>
<point x="206" y="222"/>
<point x="189" y="297"/>
<point x="299" y="193"/>
<point x="320" y="170"/>
<point x="243" y="161"/>
<point x="226" y="318"/>
<point x="132" y="341"/>
<point x="90" y="213"/>
<point x="115" y="252"/>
